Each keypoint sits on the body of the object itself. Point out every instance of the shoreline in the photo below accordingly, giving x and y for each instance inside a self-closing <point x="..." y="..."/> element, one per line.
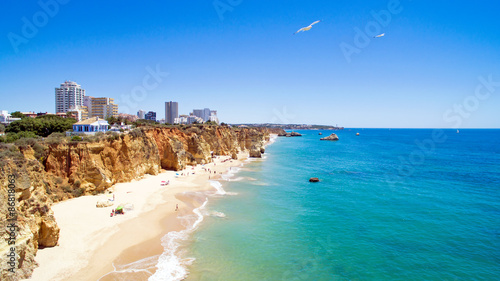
<point x="91" y="241"/>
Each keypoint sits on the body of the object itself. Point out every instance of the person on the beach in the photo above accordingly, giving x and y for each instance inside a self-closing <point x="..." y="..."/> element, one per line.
<point x="176" y="207"/>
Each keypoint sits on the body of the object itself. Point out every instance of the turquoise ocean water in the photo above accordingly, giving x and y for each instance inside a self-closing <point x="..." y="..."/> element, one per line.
<point x="391" y="205"/>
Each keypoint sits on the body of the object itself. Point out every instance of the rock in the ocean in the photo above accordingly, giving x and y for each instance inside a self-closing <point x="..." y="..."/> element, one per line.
<point x="255" y="152"/>
<point x="332" y="137"/>
<point x="313" y="180"/>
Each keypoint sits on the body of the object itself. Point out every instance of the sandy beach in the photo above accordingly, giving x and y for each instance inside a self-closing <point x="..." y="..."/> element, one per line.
<point x="91" y="240"/>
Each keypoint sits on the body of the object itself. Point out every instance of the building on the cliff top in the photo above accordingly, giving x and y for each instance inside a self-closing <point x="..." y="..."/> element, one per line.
<point x="171" y="111"/>
<point x="31" y="114"/>
<point x="150" y="116"/>
<point x="6" y="118"/>
<point x="68" y="95"/>
<point x="213" y="117"/>
<point x="141" y="114"/>
<point x="79" y="113"/>
<point x="91" y="126"/>
<point x="182" y="119"/>
<point x="101" y="107"/>
<point x="192" y="119"/>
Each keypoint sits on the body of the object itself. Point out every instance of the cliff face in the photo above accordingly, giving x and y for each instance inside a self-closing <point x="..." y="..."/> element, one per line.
<point x="78" y="168"/>
<point x="34" y="223"/>
<point x="90" y="168"/>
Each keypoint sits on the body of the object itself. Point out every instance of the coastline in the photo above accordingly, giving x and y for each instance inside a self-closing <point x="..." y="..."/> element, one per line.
<point x="91" y="241"/>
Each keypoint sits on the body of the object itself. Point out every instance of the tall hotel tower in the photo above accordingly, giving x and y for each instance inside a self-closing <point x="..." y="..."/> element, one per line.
<point x="171" y="111"/>
<point x="70" y="95"/>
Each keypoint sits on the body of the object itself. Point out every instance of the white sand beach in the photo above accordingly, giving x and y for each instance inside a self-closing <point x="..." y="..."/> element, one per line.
<point x="91" y="240"/>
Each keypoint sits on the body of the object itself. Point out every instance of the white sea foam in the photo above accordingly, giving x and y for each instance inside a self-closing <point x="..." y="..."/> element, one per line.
<point x="220" y="191"/>
<point x="272" y="139"/>
<point x="218" y="214"/>
<point x="145" y="266"/>
<point x="218" y="186"/>
<point x="232" y="179"/>
<point x="170" y="266"/>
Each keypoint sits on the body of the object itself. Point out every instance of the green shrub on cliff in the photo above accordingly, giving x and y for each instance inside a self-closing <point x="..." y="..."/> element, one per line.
<point x="111" y="136"/>
<point x="78" y="192"/>
<point x="9" y="151"/>
<point x="13" y="137"/>
<point x="136" y="133"/>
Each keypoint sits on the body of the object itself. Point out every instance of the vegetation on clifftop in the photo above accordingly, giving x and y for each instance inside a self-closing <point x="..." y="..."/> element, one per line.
<point x="41" y="126"/>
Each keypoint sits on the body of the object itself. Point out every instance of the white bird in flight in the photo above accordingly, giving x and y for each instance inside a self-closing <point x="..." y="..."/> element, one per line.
<point x="307" y="27"/>
<point x="380" y="35"/>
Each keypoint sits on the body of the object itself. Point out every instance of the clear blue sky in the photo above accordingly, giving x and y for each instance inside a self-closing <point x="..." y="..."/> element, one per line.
<point x="246" y="63"/>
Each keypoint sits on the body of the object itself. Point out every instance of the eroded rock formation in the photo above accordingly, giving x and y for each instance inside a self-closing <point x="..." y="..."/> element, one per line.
<point x="72" y="169"/>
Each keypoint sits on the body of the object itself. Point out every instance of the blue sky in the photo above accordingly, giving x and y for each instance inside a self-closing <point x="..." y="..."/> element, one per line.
<point x="243" y="60"/>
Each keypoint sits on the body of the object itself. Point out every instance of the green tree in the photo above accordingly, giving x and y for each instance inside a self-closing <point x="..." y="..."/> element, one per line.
<point x="112" y="120"/>
<point x="2" y="128"/>
<point x="17" y="114"/>
<point x="42" y="125"/>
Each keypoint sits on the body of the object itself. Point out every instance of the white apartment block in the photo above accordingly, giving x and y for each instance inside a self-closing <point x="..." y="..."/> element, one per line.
<point x="141" y="114"/>
<point x="70" y="94"/>
<point x="6" y="118"/>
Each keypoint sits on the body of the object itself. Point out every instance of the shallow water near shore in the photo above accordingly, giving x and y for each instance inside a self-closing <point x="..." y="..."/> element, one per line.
<point x="391" y="205"/>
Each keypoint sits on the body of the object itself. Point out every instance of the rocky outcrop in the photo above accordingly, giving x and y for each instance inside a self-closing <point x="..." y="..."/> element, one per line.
<point x="34" y="223"/>
<point x="332" y="137"/>
<point x="292" y="134"/>
<point x="71" y="169"/>
<point x="255" y="152"/>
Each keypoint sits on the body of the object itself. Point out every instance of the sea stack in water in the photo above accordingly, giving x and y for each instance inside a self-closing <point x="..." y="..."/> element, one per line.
<point x="332" y="137"/>
<point x="313" y="180"/>
<point x="255" y="152"/>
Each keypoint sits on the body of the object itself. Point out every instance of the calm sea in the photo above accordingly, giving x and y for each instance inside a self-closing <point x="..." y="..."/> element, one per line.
<point x="391" y="205"/>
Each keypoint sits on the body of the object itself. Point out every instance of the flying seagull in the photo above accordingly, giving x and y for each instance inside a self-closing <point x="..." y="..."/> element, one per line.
<point x="307" y="27"/>
<point x="380" y="35"/>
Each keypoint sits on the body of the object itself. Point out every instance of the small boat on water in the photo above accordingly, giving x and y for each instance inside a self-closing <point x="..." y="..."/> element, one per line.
<point x="458" y="131"/>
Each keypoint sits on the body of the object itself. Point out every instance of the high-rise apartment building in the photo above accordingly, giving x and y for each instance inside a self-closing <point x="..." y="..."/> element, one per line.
<point x="101" y="107"/>
<point x="150" y="116"/>
<point x="204" y="114"/>
<point x="70" y="94"/>
<point x="171" y="111"/>
<point x="198" y="113"/>
<point x="141" y="114"/>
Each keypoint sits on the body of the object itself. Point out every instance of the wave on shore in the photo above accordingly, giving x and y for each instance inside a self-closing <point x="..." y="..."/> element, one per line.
<point x="170" y="266"/>
<point x="140" y="269"/>
<point x="220" y="191"/>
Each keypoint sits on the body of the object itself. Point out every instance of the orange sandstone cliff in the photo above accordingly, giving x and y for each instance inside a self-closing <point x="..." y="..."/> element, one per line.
<point x="72" y="169"/>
